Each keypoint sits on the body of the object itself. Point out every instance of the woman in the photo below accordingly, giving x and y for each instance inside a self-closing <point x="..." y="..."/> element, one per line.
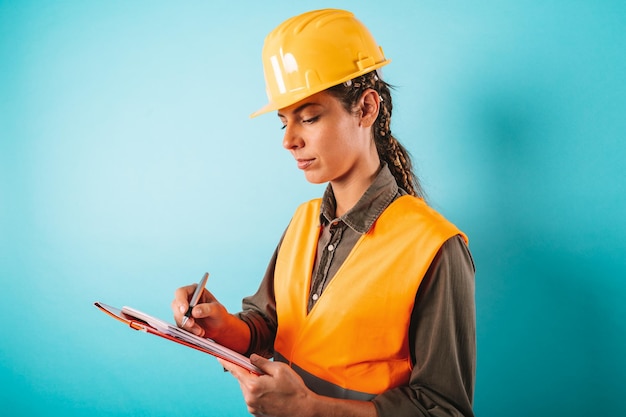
<point x="367" y="305"/>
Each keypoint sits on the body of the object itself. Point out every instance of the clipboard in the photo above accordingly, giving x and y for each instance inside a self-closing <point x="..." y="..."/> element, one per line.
<point x="141" y="321"/>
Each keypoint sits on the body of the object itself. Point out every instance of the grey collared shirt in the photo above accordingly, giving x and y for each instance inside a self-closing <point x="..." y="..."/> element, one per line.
<point x="442" y="329"/>
<point x="339" y="235"/>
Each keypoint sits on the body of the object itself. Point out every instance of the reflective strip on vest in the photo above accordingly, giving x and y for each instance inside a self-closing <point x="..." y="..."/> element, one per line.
<point x="322" y="387"/>
<point x="356" y="335"/>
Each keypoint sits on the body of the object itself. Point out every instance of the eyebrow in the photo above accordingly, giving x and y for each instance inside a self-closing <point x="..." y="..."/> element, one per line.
<point x="300" y="108"/>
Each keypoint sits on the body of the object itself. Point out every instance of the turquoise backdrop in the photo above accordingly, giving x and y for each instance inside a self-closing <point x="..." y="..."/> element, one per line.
<point x="129" y="167"/>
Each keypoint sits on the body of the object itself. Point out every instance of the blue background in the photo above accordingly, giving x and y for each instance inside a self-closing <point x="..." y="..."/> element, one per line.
<point x="129" y="166"/>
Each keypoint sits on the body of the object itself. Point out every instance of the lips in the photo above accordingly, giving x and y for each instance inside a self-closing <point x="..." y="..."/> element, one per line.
<point x="304" y="163"/>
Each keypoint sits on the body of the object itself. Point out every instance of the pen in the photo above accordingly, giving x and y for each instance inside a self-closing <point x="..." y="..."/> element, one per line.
<point x="194" y="298"/>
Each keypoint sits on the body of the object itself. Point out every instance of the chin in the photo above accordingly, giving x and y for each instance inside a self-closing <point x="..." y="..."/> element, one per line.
<point x="315" y="179"/>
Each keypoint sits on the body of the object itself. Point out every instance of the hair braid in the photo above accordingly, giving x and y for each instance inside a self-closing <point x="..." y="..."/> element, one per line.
<point x="389" y="148"/>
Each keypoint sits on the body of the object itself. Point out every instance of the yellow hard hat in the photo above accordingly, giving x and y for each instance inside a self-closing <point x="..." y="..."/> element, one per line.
<point x="313" y="51"/>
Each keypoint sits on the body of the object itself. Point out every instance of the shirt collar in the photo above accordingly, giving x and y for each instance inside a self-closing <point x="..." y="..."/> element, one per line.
<point x="370" y="206"/>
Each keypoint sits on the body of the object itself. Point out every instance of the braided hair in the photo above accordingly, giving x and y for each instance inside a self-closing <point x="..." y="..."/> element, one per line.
<point x="389" y="149"/>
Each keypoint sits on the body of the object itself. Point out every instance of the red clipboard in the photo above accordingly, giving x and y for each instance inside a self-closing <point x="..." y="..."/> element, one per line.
<point x="138" y="320"/>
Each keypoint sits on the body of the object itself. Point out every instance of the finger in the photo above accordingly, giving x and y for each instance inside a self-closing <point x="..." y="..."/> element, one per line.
<point x="207" y="297"/>
<point x="225" y="364"/>
<point x="237" y="371"/>
<point x="208" y="307"/>
<point x="262" y="363"/>
<point x="204" y="310"/>
<point x="185" y="293"/>
<point x="231" y="367"/>
<point x="180" y="305"/>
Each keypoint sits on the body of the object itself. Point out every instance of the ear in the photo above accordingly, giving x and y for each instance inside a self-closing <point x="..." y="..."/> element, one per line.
<point x="369" y="106"/>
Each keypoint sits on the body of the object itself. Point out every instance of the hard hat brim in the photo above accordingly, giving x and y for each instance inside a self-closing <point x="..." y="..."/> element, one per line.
<point x="272" y="105"/>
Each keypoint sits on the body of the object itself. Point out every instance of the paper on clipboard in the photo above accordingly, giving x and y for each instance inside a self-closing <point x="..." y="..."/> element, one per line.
<point x="139" y="320"/>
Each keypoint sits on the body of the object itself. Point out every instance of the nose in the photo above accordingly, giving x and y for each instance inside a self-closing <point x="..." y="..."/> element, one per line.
<point x="292" y="139"/>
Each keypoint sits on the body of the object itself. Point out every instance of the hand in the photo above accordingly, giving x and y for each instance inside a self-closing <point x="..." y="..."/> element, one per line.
<point x="206" y="317"/>
<point x="280" y="392"/>
<point x="210" y="319"/>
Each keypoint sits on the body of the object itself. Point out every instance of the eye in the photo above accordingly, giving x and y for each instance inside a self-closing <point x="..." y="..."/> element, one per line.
<point x="310" y="120"/>
<point x="283" y="121"/>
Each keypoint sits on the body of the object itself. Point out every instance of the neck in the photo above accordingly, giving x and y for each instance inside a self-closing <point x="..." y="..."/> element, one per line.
<point x="347" y="193"/>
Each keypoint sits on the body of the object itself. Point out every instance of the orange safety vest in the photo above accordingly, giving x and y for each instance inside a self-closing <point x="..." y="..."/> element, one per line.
<point x="355" y="339"/>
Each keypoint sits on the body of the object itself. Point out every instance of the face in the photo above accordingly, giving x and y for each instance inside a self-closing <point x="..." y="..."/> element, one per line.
<point x="328" y="143"/>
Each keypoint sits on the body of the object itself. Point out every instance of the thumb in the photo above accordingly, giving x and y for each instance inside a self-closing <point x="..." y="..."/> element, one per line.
<point x="262" y="363"/>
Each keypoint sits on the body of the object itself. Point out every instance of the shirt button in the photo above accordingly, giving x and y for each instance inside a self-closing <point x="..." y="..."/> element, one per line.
<point x="315" y="297"/>
<point x="331" y="248"/>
